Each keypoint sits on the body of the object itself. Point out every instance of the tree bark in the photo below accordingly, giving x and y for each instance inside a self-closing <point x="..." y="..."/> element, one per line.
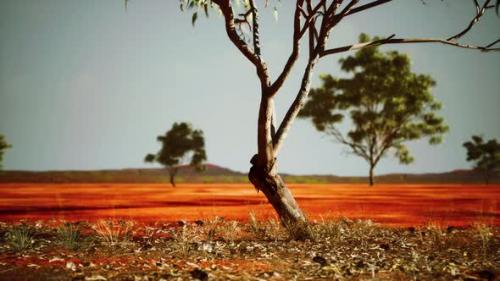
<point x="172" y="172"/>
<point x="370" y="176"/>
<point x="263" y="175"/>
<point x="280" y="197"/>
<point x="487" y="177"/>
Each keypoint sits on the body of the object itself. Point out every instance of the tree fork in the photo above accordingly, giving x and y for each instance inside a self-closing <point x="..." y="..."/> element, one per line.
<point x="263" y="174"/>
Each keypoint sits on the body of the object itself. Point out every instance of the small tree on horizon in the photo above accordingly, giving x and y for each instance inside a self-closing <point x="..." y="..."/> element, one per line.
<point x="387" y="103"/>
<point x="4" y="145"/>
<point x="180" y="145"/>
<point x="486" y="155"/>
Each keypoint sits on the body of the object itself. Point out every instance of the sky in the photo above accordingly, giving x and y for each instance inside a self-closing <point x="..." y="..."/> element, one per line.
<point x="89" y="85"/>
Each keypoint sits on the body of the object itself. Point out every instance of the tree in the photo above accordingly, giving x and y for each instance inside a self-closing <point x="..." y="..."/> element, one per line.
<point x="315" y="20"/>
<point x="179" y="144"/>
<point x="485" y="154"/>
<point x="388" y="105"/>
<point x="3" y="147"/>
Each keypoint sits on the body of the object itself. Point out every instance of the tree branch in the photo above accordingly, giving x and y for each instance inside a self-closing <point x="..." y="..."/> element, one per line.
<point x="386" y="144"/>
<point x="356" y="148"/>
<point x="298" y="32"/>
<point x="227" y="11"/>
<point x="305" y="86"/>
<point x="255" y="29"/>
<point x="295" y="51"/>
<point x="348" y="7"/>
<point x="480" y="10"/>
<point x="391" y="40"/>
<point x="366" y="6"/>
<point x="294" y="109"/>
<point x="310" y="25"/>
<point x="244" y="19"/>
<point x="479" y="13"/>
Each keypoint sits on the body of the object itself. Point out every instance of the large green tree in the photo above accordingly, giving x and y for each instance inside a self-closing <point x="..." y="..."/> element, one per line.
<point x="4" y="145"/>
<point x="313" y="21"/>
<point x="179" y="146"/>
<point x="387" y="104"/>
<point x="486" y="155"/>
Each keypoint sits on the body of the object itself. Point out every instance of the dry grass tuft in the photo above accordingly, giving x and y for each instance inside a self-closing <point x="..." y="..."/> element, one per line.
<point x="114" y="232"/>
<point x="69" y="235"/>
<point x="20" y="237"/>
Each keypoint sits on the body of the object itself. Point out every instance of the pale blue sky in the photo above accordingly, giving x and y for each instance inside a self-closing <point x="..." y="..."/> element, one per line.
<point x="88" y="85"/>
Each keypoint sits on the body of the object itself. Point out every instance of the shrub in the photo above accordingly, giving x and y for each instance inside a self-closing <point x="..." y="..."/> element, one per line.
<point x="114" y="232"/>
<point x="69" y="235"/>
<point x="20" y="237"/>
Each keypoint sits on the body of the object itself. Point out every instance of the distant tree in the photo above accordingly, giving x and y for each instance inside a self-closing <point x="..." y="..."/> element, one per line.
<point x="3" y="147"/>
<point x="486" y="156"/>
<point x="180" y="145"/>
<point x="388" y="104"/>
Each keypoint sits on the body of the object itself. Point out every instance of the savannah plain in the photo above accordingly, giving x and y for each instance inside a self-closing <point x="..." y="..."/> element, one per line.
<point x="227" y="231"/>
<point x="395" y="205"/>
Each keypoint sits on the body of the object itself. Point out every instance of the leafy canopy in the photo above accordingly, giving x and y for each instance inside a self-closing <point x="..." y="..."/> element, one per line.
<point x="485" y="154"/>
<point x="179" y="143"/>
<point x="388" y="104"/>
<point x="3" y="147"/>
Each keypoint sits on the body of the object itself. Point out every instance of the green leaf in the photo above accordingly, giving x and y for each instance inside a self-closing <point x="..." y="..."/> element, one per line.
<point x="194" y="18"/>
<point x="275" y="13"/>
<point x="205" y="8"/>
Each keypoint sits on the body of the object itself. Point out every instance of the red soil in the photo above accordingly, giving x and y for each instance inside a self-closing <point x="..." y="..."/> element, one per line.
<point x="390" y="204"/>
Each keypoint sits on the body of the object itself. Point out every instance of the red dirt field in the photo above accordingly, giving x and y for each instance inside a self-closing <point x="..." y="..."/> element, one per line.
<point x="389" y="204"/>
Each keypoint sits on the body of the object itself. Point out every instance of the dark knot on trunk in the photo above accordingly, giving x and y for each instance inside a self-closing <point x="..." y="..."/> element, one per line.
<point x="260" y="175"/>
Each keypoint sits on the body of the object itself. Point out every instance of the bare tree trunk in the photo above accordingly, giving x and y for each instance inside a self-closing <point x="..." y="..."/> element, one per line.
<point x="280" y="197"/>
<point x="172" y="172"/>
<point x="486" y="177"/>
<point x="263" y="175"/>
<point x="370" y="176"/>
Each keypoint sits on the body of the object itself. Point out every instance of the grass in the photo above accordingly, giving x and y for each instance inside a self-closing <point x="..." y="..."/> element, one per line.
<point x="485" y="234"/>
<point x="341" y="249"/>
<point x="70" y="236"/>
<point x="113" y="232"/>
<point x="19" y="237"/>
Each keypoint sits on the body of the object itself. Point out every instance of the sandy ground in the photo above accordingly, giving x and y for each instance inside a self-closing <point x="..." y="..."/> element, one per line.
<point x="389" y="204"/>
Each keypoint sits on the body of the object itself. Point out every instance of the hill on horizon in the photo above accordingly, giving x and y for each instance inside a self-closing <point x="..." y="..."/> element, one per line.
<point x="217" y="174"/>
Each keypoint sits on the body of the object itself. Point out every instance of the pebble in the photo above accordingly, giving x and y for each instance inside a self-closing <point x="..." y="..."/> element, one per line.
<point x="199" y="274"/>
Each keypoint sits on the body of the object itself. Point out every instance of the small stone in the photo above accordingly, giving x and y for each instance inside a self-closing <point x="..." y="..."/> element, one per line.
<point x="71" y="265"/>
<point x="206" y="247"/>
<point x="385" y="246"/>
<point x="78" y="278"/>
<point x="95" y="278"/>
<point x="54" y="259"/>
<point x="199" y="274"/>
<point x="319" y="259"/>
<point x="487" y="274"/>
